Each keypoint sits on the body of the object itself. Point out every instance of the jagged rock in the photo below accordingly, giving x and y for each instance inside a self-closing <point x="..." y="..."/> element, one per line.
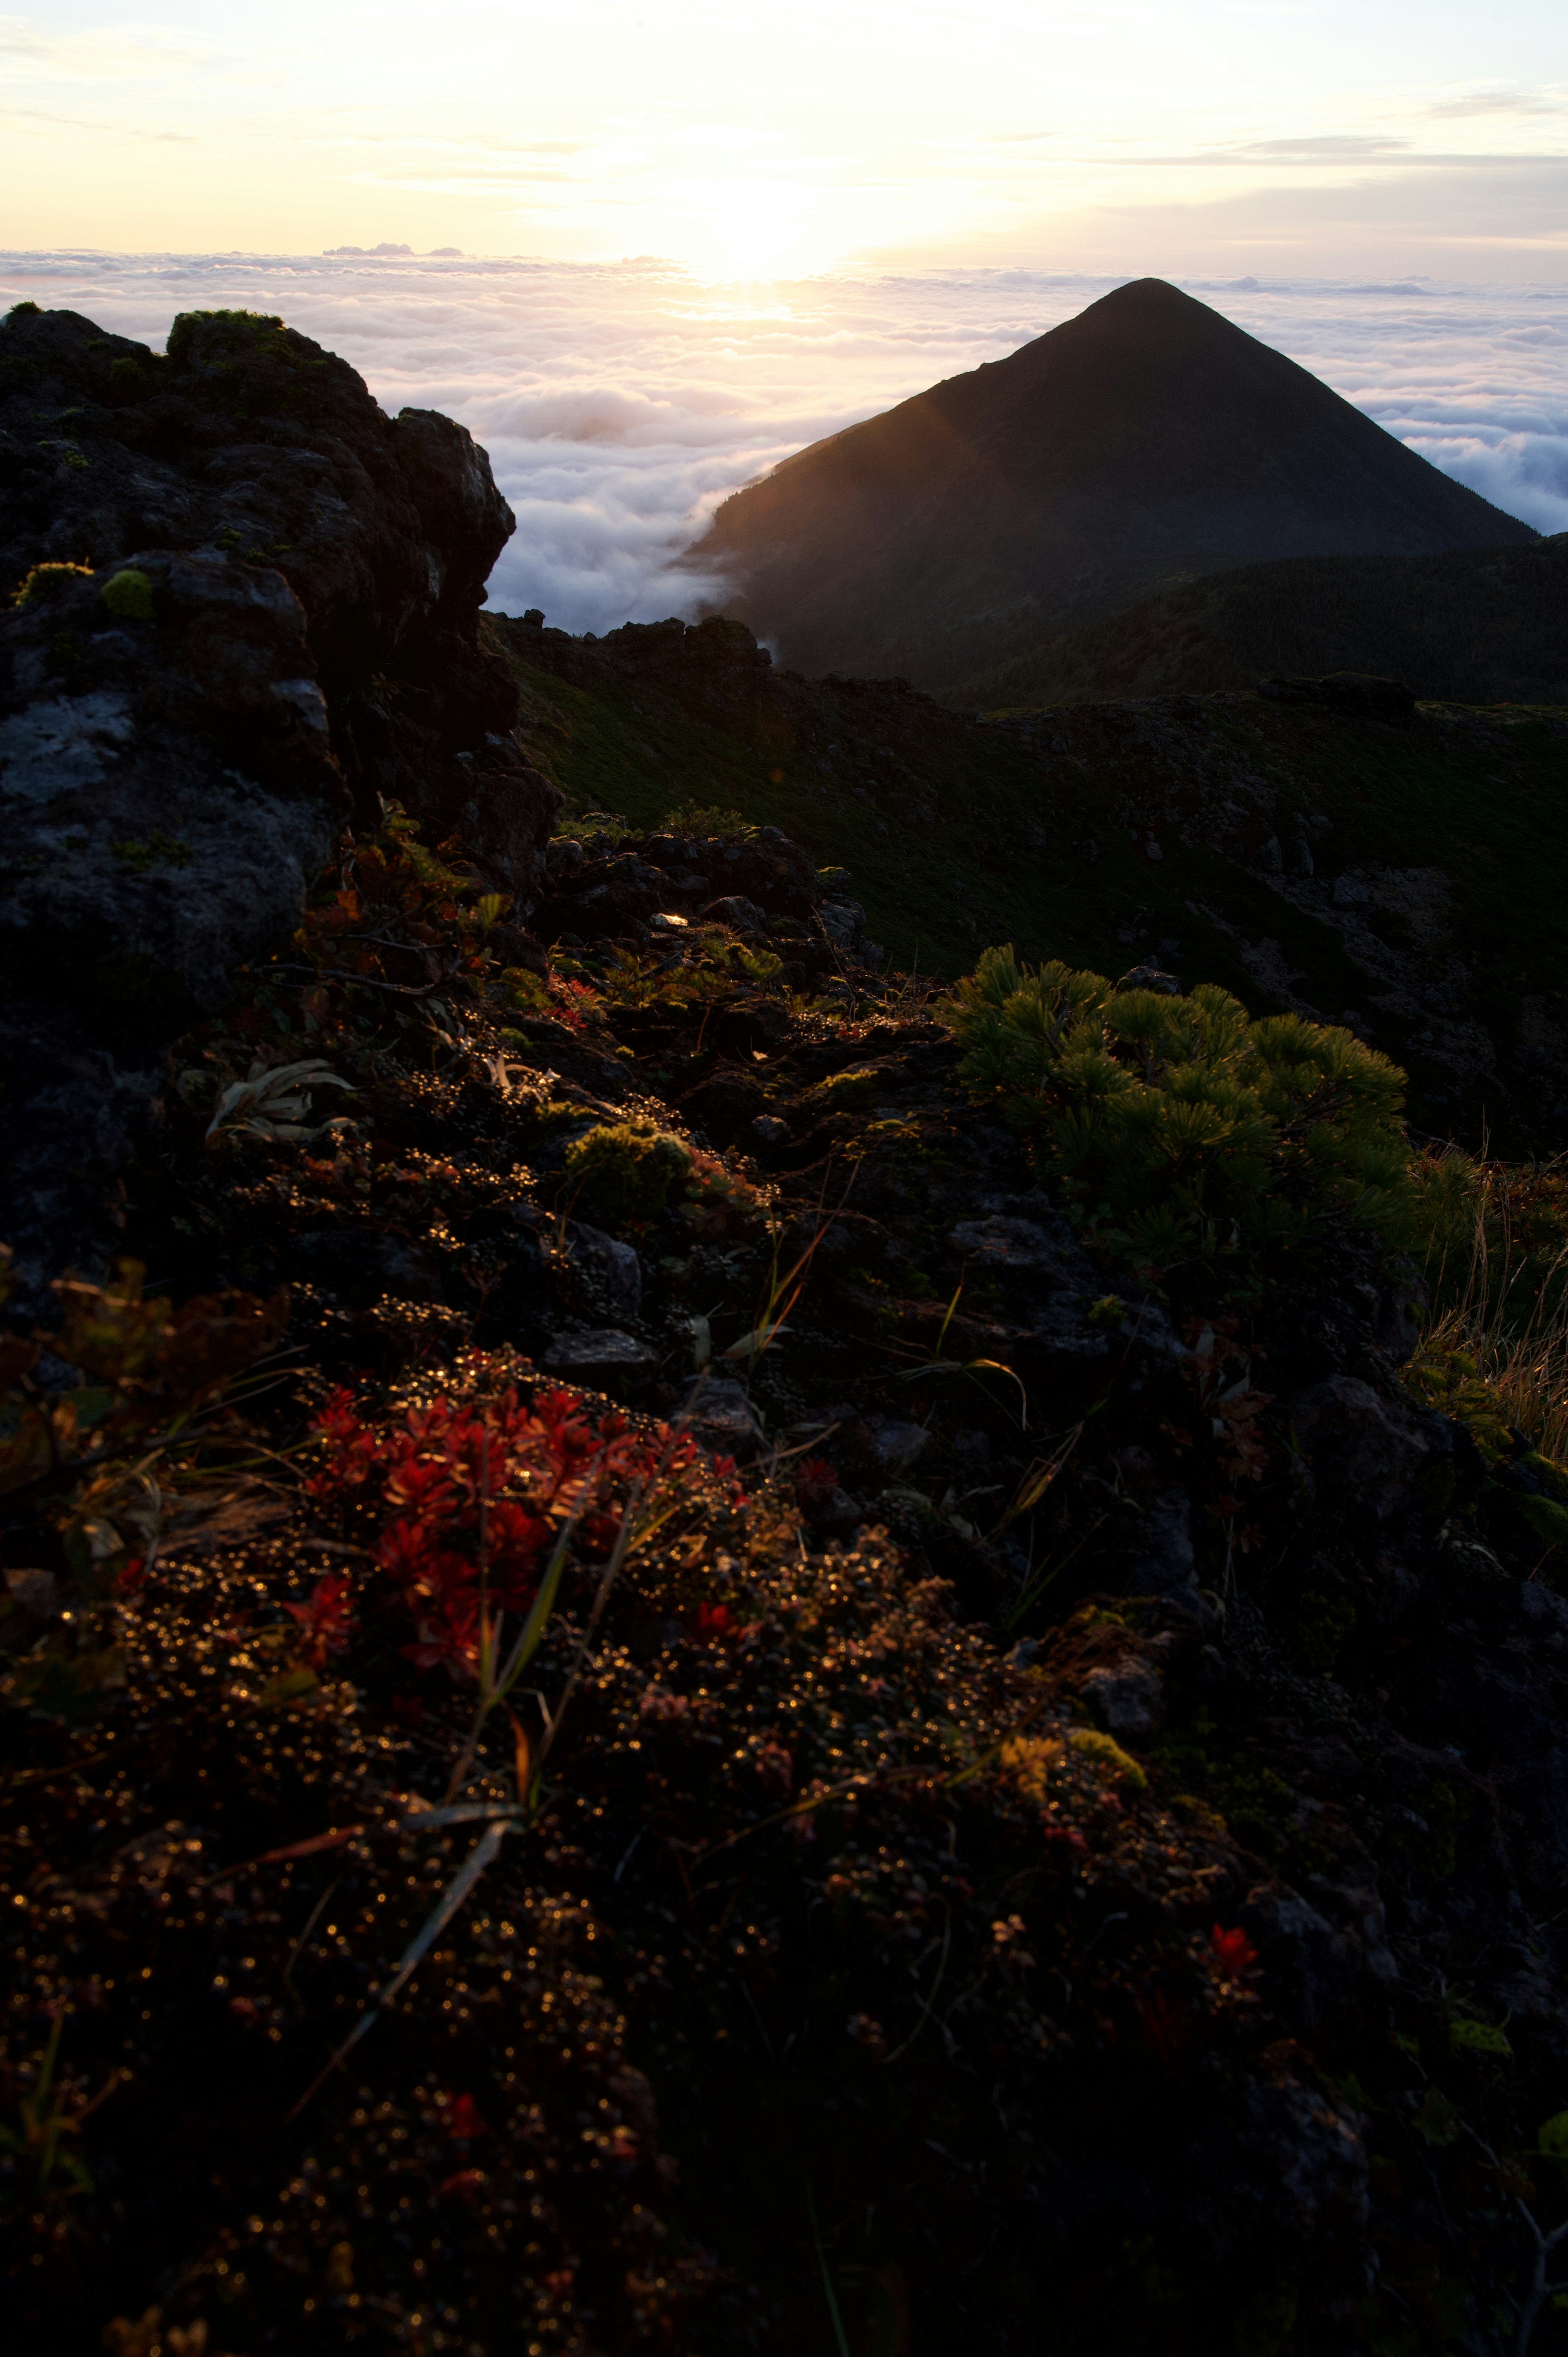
<point x="249" y="439"/>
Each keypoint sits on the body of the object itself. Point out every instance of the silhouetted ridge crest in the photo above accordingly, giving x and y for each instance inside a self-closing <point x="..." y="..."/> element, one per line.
<point x="1144" y="441"/>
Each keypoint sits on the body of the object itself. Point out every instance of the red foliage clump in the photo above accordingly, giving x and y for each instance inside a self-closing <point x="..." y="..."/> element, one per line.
<point x="1234" y="1954"/>
<point x="468" y="1497"/>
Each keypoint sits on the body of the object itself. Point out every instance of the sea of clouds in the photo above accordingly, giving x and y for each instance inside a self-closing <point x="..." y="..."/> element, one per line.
<point x="621" y="401"/>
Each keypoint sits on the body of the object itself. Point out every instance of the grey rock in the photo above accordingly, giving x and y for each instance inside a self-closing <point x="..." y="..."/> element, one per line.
<point x="1028" y="1248"/>
<point x="896" y="1445"/>
<point x="1125" y="1698"/>
<point x="612" y="1267"/>
<point x="767" y="1130"/>
<point x="1310" y="2166"/>
<point x="739" y="912"/>
<point x="722" y="1420"/>
<point x="594" y="1356"/>
<point x="363" y="1265"/>
<point x="1368" y="1450"/>
<point x="842" y="921"/>
<point x="1543" y="1605"/>
<point x="1167" y="1568"/>
<point x="1314" y="1964"/>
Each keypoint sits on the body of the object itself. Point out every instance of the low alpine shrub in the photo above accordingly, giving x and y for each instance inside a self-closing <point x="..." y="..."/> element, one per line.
<point x="1180" y="1126"/>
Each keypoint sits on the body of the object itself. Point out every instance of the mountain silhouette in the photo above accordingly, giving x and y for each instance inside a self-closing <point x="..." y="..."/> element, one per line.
<point x="1135" y="447"/>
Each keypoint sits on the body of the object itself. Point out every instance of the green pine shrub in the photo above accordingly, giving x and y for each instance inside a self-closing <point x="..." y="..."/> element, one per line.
<point x="1180" y="1126"/>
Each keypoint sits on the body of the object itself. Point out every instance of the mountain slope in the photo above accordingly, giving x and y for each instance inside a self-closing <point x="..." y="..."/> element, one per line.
<point x="1483" y="626"/>
<point x="1405" y="871"/>
<point x="1144" y="442"/>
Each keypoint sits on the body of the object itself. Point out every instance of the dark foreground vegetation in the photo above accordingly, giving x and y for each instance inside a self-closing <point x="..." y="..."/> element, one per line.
<point x="708" y="1648"/>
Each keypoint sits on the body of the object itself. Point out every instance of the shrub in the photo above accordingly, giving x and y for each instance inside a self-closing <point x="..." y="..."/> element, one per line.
<point x="1179" y="1125"/>
<point x="630" y="1168"/>
<point x="129" y="596"/>
<point x="693" y="817"/>
<point x="47" y="581"/>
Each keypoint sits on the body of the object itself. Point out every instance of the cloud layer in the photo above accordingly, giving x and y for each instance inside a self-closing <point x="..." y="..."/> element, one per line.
<point x="620" y="403"/>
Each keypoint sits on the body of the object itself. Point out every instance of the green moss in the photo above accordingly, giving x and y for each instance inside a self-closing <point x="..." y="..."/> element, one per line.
<point x="129" y="595"/>
<point x="629" y="1169"/>
<point x="1107" y="1755"/>
<point x="157" y="850"/>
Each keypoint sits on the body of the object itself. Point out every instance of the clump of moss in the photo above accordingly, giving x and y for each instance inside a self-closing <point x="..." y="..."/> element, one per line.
<point x="47" y="581"/>
<point x="129" y="595"/>
<point x="1179" y="1124"/>
<point x="1104" y="1753"/>
<point x="630" y="1168"/>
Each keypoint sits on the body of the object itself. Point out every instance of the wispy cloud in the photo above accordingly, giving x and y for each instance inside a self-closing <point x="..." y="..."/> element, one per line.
<point x="1482" y="103"/>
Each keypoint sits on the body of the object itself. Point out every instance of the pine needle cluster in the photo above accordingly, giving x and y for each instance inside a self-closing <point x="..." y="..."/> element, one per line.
<point x="1180" y="1126"/>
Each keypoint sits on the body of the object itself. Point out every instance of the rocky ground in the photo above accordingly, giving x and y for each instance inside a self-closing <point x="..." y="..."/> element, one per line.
<point x="1056" y="1835"/>
<point x="655" y="1698"/>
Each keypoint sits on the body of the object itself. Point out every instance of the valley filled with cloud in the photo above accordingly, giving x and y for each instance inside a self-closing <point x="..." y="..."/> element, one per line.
<point x="620" y="402"/>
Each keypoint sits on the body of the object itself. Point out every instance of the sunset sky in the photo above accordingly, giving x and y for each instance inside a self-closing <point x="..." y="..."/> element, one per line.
<point x="746" y="140"/>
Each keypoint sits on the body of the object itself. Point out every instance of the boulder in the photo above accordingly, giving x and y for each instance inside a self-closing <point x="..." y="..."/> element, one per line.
<point x="1367" y="1452"/>
<point x="248" y="441"/>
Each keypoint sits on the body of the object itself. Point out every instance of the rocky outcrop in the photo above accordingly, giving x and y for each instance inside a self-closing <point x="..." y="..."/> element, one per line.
<point x="244" y="609"/>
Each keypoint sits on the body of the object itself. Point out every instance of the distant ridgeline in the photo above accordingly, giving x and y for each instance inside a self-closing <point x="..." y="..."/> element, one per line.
<point x="1143" y="443"/>
<point x="1482" y="625"/>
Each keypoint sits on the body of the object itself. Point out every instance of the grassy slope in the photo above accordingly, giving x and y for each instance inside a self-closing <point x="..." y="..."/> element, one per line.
<point x="985" y="844"/>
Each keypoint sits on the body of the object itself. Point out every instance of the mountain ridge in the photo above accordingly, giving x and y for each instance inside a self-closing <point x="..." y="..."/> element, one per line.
<point x="1475" y="626"/>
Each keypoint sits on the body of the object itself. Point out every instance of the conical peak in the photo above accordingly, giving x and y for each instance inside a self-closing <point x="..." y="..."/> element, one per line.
<point x="1152" y="308"/>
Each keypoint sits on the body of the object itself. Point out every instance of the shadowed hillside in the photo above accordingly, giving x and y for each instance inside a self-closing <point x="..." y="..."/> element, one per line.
<point x="1143" y="443"/>
<point x="1397" y="866"/>
<point x="1481" y="625"/>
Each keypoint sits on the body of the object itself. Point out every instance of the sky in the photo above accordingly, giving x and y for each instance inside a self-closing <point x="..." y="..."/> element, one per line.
<point x="1300" y="136"/>
<point x="645" y="251"/>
